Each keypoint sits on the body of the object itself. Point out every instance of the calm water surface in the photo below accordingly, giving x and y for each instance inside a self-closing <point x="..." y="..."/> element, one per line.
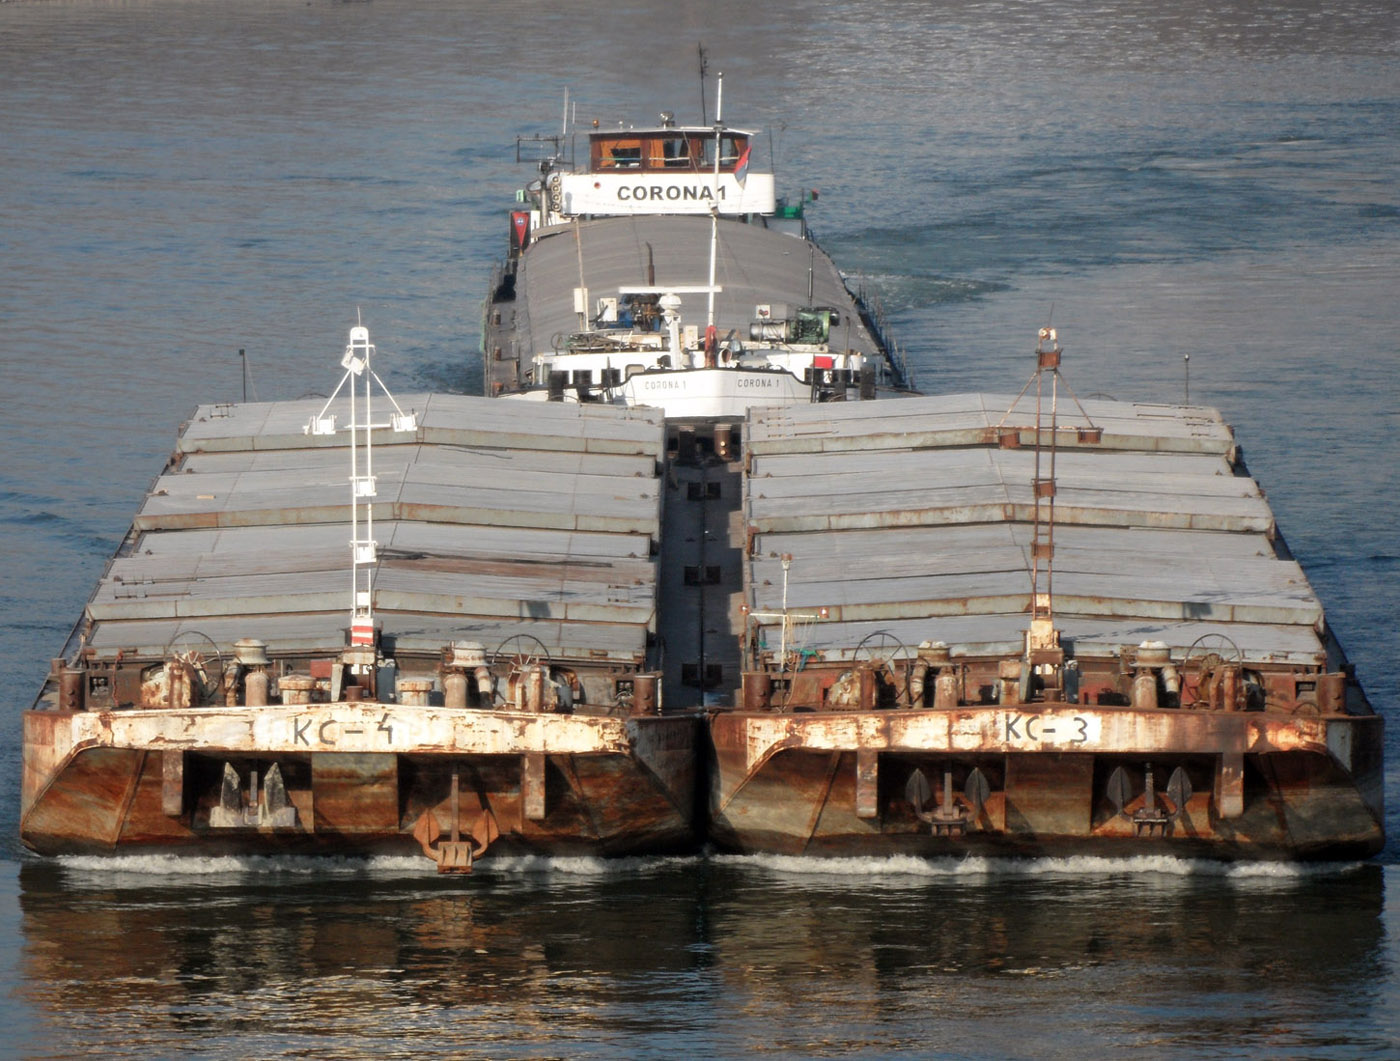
<point x="184" y="179"/>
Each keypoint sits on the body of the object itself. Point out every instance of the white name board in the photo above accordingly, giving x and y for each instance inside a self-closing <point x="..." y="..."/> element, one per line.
<point x="665" y="193"/>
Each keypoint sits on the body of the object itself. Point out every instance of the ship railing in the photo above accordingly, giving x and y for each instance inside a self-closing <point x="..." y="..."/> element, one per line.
<point x="543" y="150"/>
<point x="872" y="311"/>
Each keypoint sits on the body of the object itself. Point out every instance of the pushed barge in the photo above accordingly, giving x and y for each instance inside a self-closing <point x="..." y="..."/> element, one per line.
<point x="973" y="624"/>
<point x="475" y="671"/>
<point x="677" y="578"/>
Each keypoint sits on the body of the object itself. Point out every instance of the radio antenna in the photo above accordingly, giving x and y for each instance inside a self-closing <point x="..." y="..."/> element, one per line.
<point x="704" y="65"/>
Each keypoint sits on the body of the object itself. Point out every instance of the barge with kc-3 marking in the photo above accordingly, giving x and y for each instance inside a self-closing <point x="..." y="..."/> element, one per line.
<point x="700" y="566"/>
<point x="1031" y="626"/>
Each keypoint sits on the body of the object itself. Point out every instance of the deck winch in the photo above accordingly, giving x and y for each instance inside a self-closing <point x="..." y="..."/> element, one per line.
<point x="464" y="662"/>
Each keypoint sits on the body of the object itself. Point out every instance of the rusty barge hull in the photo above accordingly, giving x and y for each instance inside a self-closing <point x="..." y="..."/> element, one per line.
<point x="913" y="681"/>
<point x="837" y="784"/>
<point x="361" y="778"/>
<point x="222" y="691"/>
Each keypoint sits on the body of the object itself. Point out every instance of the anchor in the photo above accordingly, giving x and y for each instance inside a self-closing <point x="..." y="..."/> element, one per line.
<point x="1151" y="819"/>
<point x="455" y="854"/>
<point x="948" y="818"/>
<point x="272" y="809"/>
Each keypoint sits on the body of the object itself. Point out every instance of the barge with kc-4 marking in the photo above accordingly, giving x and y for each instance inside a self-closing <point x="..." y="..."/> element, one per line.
<point x="472" y="673"/>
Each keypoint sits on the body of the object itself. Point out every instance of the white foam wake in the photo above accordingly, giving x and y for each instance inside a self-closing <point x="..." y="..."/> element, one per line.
<point x="1079" y="867"/>
<point x="138" y="870"/>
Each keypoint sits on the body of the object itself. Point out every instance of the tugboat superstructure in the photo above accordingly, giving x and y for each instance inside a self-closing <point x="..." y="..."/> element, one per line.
<point x="691" y="287"/>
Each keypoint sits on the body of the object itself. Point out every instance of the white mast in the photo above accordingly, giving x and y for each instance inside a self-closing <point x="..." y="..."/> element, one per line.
<point x="364" y="550"/>
<point x="714" y="200"/>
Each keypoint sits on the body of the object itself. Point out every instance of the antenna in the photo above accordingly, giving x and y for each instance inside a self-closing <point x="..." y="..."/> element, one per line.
<point x="1042" y="632"/>
<point x="364" y="550"/>
<point x="700" y="49"/>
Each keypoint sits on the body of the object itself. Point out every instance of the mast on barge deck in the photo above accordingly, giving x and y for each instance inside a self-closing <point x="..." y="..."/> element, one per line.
<point x="364" y="550"/>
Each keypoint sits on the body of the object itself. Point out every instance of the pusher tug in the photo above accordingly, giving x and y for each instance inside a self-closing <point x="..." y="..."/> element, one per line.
<point x="662" y="270"/>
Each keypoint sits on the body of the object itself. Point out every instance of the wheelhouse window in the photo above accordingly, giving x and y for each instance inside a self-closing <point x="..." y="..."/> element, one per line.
<point x="666" y="151"/>
<point x="730" y="148"/>
<point x="675" y="152"/>
<point x="617" y="153"/>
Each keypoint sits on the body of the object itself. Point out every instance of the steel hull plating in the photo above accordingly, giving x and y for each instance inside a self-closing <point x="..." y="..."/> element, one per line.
<point x="361" y="778"/>
<point x="836" y="784"/>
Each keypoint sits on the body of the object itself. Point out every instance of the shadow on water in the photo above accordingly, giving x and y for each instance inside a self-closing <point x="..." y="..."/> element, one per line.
<point x="576" y="957"/>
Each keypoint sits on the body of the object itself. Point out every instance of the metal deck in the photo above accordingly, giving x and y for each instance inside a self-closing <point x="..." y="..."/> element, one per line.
<point x="915" y="518"/>
<point x="490" y="523"/>
<point x="754" y="265"/>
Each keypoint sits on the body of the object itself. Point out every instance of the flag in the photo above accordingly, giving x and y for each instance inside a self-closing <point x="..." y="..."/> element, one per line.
<point x="741" y="170"/>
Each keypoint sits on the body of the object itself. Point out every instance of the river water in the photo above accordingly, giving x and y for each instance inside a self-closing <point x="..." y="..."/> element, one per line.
<point x="182" y="179"/>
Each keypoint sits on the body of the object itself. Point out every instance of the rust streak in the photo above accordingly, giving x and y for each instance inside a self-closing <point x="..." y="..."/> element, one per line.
<point x="831" y="769"/>
<point x="133" y="783"/>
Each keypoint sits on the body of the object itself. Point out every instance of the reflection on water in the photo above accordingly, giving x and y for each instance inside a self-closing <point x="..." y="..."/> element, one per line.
<point x="742" y="955"/>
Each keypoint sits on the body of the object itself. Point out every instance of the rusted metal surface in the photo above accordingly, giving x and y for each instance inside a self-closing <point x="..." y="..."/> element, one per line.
<point x="1027" y="728"/>
<point x="897" y="695"/>
<point x="802" y="784"/>
<point x="360" y="777"/>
